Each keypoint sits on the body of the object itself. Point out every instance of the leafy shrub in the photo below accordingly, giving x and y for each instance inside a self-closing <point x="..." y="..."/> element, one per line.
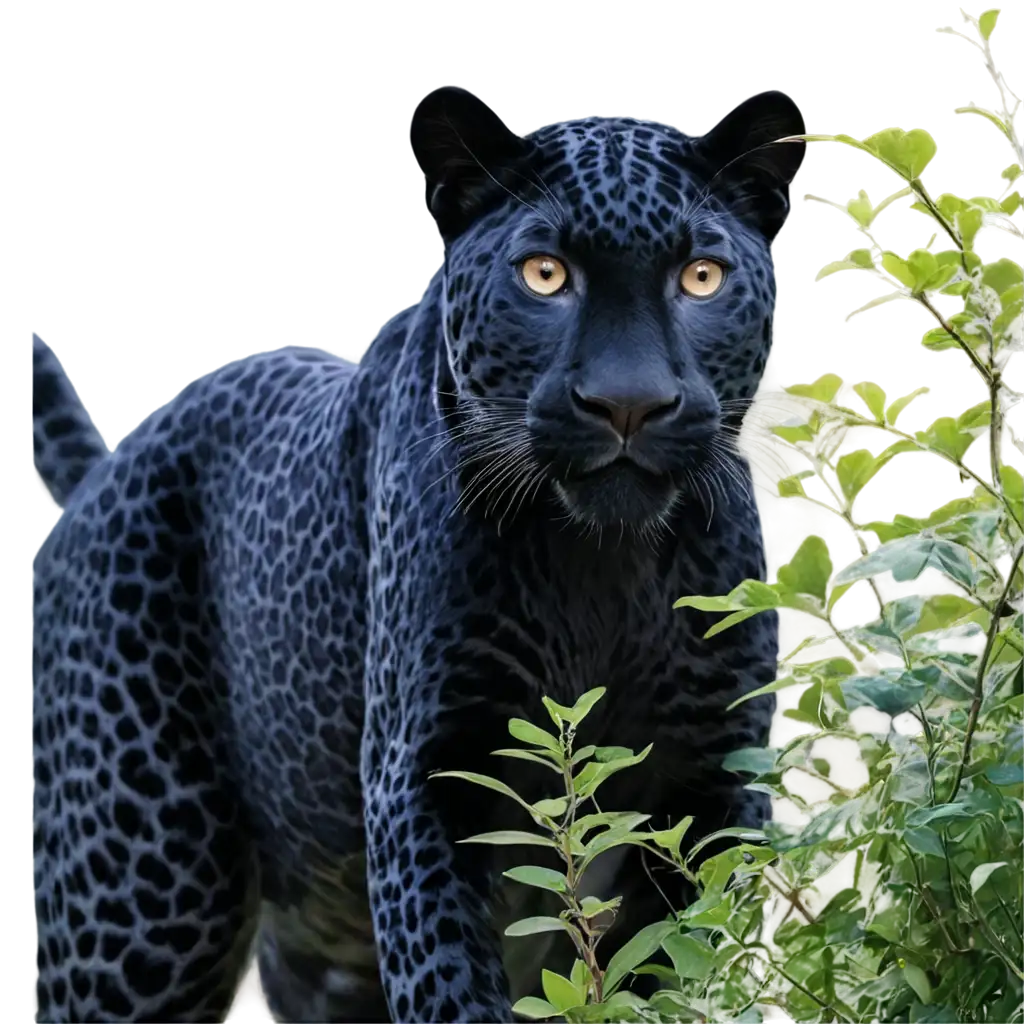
<point x="930" y="928"/>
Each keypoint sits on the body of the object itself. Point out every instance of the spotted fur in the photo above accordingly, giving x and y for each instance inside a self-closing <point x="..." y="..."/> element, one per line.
<point x="303" y="585"/>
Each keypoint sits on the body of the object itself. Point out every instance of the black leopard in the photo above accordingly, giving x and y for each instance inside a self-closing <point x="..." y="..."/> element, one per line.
<point x="303" y="585"/>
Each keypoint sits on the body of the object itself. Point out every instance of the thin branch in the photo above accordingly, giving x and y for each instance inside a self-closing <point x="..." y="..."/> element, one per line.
<point x="807" y="992"/>
<point x="979" y="682"/>
<point x="955" y="334"/>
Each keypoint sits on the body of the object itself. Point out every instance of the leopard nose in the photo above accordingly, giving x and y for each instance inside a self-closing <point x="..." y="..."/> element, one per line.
<point x="628" y="410"/>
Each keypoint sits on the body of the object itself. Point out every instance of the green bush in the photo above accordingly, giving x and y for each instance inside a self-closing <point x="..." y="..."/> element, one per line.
<point x="930" y="929"/>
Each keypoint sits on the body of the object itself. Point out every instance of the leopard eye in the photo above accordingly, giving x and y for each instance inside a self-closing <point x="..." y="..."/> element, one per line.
<point x="702" y="278"/>
<point x="544" y="275"/>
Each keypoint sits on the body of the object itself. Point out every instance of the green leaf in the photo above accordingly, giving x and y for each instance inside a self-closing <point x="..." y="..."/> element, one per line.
<point x="753" y="594"/>
<point x="1005" y="775"/>
<point x="902" y="525"/>
<point x="592" y="775"/>
<point x="1011" y="204"/>
<point x="945" y="610"/>
<point x="558" y="713"/>
<point x="902" y="614"/>
<point x="861" y="210"/>
<point x="540" y="878"/>
<point x="606" y="754"/>
<point x="1011" y="173"/>
<point x="641" y="946"/>
<point x="898" y="268"/>
<point x="1013" y="489"/>
<point x="1007" y="326"/>
<point x="876" y="302"/>
<point x="579" y="710"/>
<point x="510" y="837"/>
<point x="751" y="597"/>
<point x="981" y="531"/>
<point x="891" y="694"/>
<point x="925" y="267"/>
<point x="924" y="840"/>
<point x="722" y="603"/>
<point x="1002" y="274"/>
<point x="535" y="925"/>
<point x="908" y="557"/>
<point x="748" y="835"/>
<point x="617" y="820"/>
<point x="709" y="911"/>
<point x="607" y="840"/>
<point x="980" y="875"/>
<point x="626" y="999"/>
<point x="691" y="957"/>
<point x="802" y="432"/>
<point x="592" y="906"/>
<point x="554" y="808"/>
<point x="486" y="781"/>
<point x="814" y="708"/>
<point x="945" y="435"/>
<point x="949" y="205"/>
<point x="949" y="511"/>
<point x="779" y="684"/>
<point x="921" y="271"/>
<point x="859" y="259"/>
<point x="756" y="760"/>
<point x="580" y="977"/>
<point x="977" y="416"/>
<point x="824" y="389"/>
<point x="561" y="992"/>
<point x="986" y="23"/>
<point x="664" y="974"/>
<point x="731" y="620"/>
<point x="918" y="151"/>
<point x="585" y="704"/>
<point x="918" y="981"/>
<point x="900" y="404"/>
<point x="583" y="754"/>
<point x="907" y="152"/>
<point x="941" y="812"/>
<point x="854" y="470"/>
<point x="527" y="732"/>
<point x="876" y="399"/>
<point x="671" y="838"/>
<point x="968" y="222"/>
<point x="827" y="823"/>
<point x="525" y="755"/>
<point x="809" y="569"/>
<point x="988" y="115"/>
<point x="534" y="1008"/>
<point x="938" y="340"/>
<point x="791" y="487"/>
<point x="826" y="669"/>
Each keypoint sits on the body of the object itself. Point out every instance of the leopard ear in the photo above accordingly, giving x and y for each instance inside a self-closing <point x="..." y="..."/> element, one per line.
<point x="742" y="149"/>
<point x="465" y="151"/>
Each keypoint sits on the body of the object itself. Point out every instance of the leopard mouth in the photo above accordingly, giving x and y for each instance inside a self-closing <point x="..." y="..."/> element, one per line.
<point x="609" y="469"/>
<point x="617" y="492"/>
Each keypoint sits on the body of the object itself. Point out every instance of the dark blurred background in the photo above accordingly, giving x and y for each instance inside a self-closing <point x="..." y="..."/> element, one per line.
<point x="179" y="185"/>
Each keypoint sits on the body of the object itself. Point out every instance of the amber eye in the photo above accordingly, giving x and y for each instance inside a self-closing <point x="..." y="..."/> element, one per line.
<point x="544" y="274"/>
<point x="702" y="278"/>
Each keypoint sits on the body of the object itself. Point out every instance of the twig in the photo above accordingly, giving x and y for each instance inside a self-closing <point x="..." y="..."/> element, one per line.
<point x="934" y="910"/>
<point x="979" y="682"/>
<point x="792" y="897"/>
<point x="997" y="945"/>
<point x="807" y="992"/>
<point x="955" y="334"/>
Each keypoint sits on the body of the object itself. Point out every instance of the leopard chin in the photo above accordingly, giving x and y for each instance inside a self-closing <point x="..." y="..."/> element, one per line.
<point x="620" y="494"/>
